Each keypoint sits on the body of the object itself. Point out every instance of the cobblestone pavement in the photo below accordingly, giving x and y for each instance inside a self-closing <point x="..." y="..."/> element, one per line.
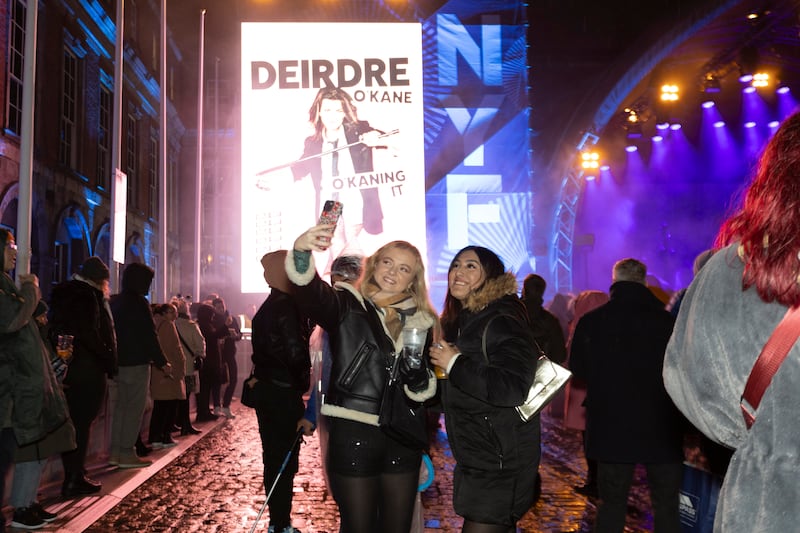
<point x="216" y="486"/>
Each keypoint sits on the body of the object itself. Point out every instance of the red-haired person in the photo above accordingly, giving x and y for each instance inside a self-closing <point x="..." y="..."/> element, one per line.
<point x="730" y="310"/>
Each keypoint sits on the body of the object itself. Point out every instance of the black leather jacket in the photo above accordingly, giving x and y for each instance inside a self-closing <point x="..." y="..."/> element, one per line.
<point x="280" y="342"/>
<point x="361" y="349"/>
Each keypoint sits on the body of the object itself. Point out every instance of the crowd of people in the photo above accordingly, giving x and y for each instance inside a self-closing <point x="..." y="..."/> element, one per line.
<point x="647" y="372"/>
<point x="53" y="391"/>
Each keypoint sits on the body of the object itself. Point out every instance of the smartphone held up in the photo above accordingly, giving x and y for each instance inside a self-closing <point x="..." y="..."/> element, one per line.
<point x="331" y="212"/>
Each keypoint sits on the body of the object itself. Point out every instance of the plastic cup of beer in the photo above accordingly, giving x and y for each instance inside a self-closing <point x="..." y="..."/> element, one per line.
<point x="437" y="370"/>
<point x="64" y="346"/>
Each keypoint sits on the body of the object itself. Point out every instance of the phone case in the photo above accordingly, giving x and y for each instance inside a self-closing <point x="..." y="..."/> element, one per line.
<point x="331" y="212"/>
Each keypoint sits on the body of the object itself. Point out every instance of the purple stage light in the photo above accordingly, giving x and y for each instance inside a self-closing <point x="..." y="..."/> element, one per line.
<point x="605" y="168"/>
<point x="662" y="126"/>
<point x="719" y="124"/>
<point x="746" y="78"/>
<point x="783" y="90"/>
<point x="675" y="127"/>
<point x="657" y="138"/>
<point x="707" y="105"/>
<point x="774" y="124"/>
<point x="630" y="149"/>
<point x="750" y="124"/>
<point x="749" y="90"/>
<point x="590" y="177"/>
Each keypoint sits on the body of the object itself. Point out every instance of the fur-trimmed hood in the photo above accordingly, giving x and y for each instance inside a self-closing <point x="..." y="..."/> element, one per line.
<point x="491" y="290"/>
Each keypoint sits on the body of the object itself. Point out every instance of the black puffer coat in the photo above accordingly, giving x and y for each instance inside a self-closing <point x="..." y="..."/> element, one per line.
<point x="484" y="429"/>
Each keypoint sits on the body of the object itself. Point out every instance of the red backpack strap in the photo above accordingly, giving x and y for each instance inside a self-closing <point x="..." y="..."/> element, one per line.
<point x="772" y="355"/>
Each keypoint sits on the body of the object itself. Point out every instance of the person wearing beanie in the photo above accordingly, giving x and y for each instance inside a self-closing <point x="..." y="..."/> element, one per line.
<point x="347" y="268"/>
<point x="34" y="421"/>
<point x="79" y="307"/>
<point x="344" y="269"/>
<point x="95" y="269"/>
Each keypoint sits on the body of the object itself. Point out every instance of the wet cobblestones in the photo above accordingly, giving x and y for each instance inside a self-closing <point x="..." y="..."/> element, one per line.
<point x="216" y="486"/>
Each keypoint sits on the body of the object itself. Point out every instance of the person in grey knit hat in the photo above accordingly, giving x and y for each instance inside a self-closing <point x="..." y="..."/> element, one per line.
<point x="347" y="268"/>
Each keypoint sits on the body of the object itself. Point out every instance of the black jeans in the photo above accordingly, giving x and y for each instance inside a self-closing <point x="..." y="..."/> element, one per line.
<point x="162" y="419"/>
<point x="614" y="482"/>
<point x="85" y="398"/>
<point x="8" y="445"/>
<point x="278" y="410"/>
<point x="233" y="378"/>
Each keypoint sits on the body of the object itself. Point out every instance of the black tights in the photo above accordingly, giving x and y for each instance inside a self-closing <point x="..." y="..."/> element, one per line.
<point x="477" y="527"/>
<point x="377" y="503"/>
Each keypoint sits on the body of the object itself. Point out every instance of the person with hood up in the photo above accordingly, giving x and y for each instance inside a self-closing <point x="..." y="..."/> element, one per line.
<point x="79" y="307"/>
<point x="34" y="420"/>
<point x="489" y="354"/>
<point x="281" y="376"/>
<point x="138" y="348"/>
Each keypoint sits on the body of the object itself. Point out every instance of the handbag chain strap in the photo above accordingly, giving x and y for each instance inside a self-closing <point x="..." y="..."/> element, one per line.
<point x="769" y="360"/>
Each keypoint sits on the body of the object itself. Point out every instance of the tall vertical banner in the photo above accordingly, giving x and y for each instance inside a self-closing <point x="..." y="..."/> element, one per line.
<point x="327" y="117"/>
<point x="480" y="188"/>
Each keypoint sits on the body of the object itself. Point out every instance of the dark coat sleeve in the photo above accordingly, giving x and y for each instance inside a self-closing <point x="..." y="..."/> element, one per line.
<point x="503" y="380"/>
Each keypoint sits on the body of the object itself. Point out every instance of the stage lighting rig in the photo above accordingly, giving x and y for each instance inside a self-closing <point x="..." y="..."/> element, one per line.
<point x="670" y="92"/>
<point x="590" y="160"/>
<point x="711" y="84"/>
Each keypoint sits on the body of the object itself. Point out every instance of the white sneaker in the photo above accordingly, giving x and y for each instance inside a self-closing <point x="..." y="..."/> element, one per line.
<point x="227" y="412"/>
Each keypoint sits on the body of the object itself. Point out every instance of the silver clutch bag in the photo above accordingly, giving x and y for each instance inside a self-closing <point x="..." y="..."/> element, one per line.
<point x="549" y="379"/>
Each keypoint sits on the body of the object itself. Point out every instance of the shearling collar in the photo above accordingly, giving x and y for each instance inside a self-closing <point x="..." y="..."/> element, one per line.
<point x="492" y="290"/>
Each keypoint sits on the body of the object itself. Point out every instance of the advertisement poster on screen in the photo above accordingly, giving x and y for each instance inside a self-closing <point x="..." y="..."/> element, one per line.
<point x="330" y="111"/>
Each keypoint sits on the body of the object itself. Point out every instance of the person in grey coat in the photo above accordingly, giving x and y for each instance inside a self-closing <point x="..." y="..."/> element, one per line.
<point x="726" y="317"/>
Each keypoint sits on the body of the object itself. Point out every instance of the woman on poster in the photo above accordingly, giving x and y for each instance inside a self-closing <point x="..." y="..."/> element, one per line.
<point x="336" y="125"/>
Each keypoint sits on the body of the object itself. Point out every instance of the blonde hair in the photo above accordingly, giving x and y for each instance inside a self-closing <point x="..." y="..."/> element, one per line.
<point x="418" y="289"/>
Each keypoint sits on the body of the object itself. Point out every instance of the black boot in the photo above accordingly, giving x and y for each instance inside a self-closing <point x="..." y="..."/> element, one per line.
<point x="77" y="484"/>
<point x="141" y="449"/>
